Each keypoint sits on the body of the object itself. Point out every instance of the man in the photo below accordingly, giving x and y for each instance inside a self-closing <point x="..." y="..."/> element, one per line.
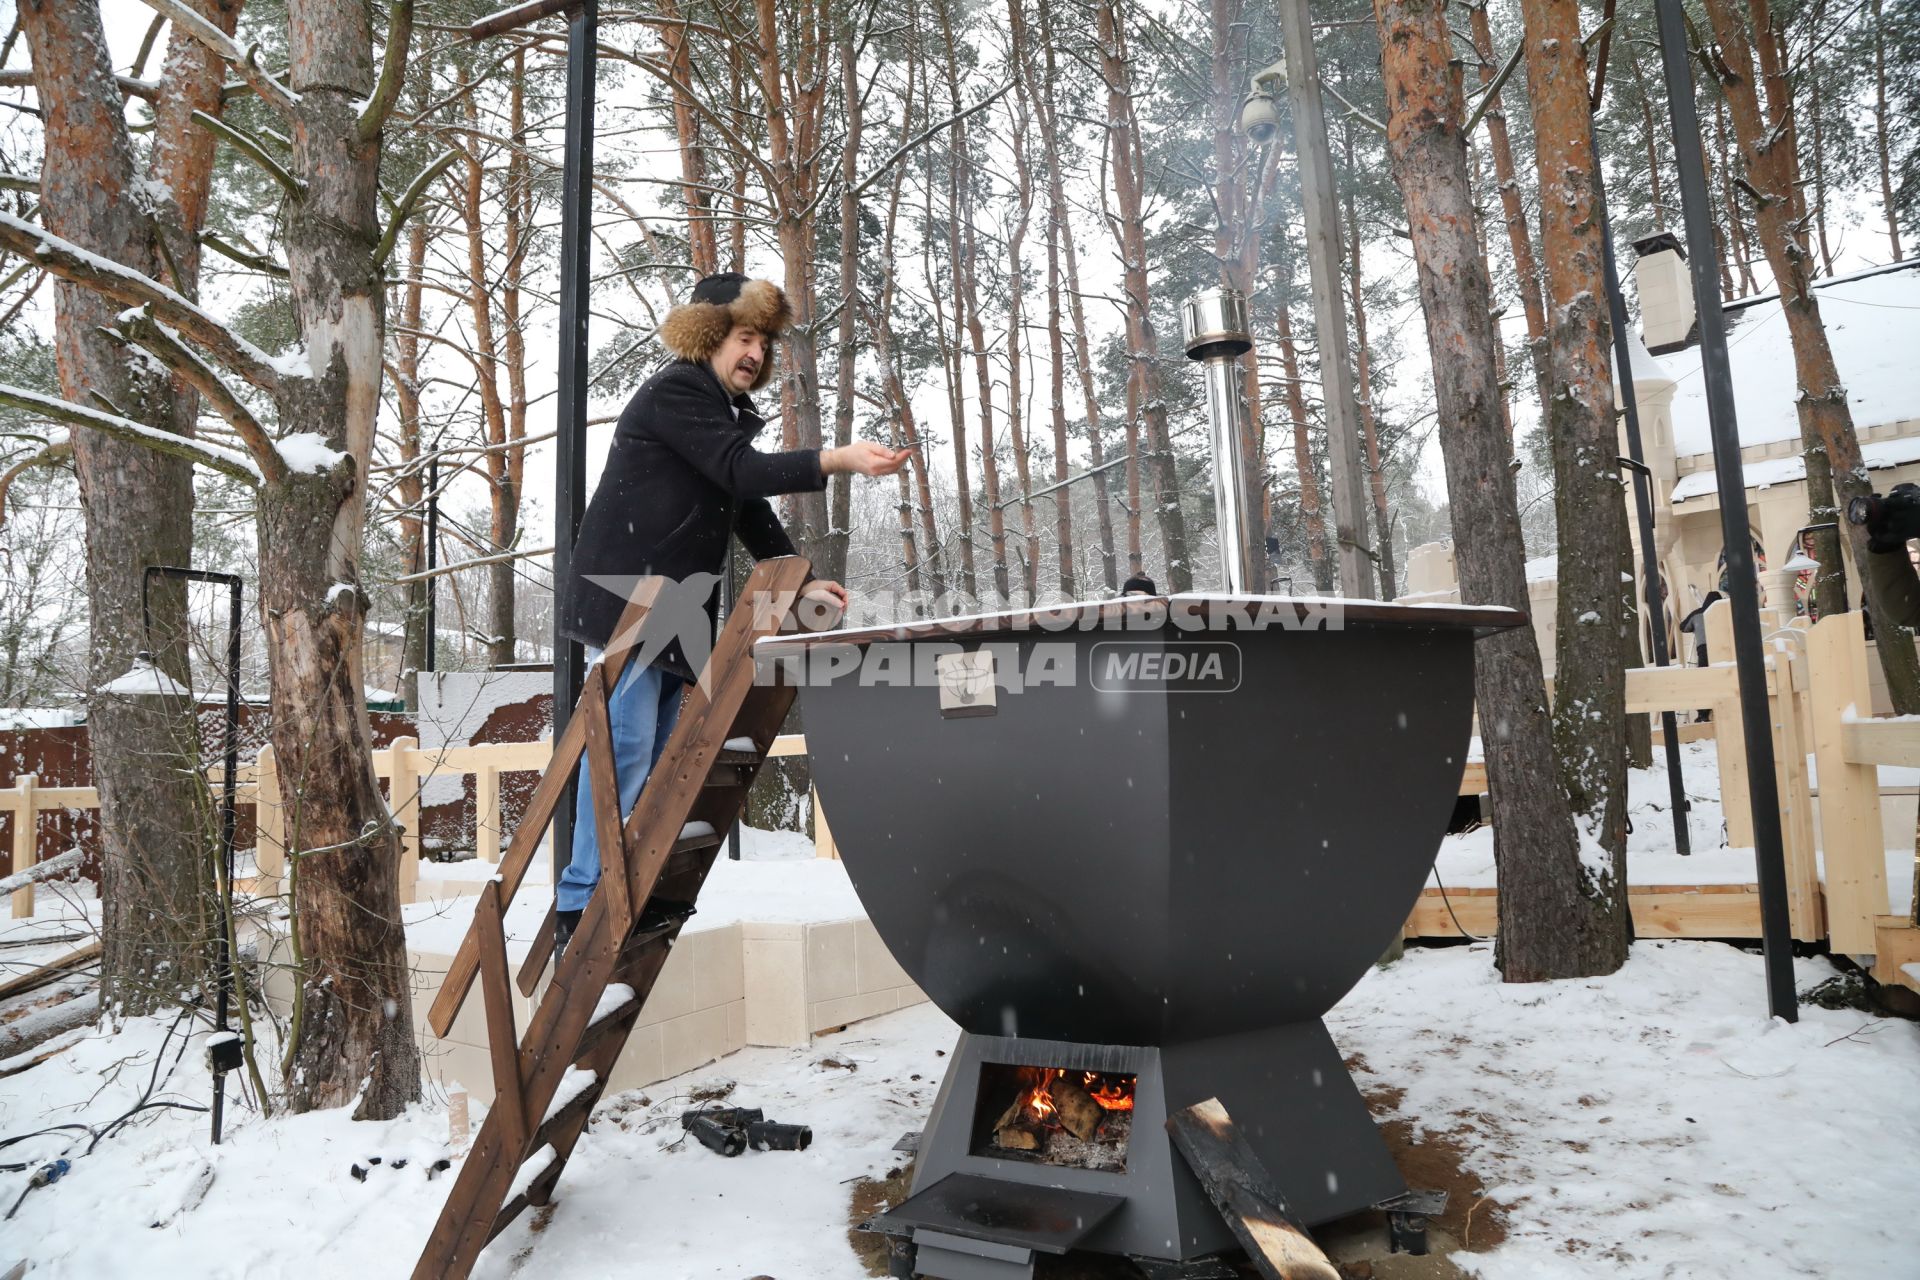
<point x="682" y="478"/>
<point x="1890" y="522"/>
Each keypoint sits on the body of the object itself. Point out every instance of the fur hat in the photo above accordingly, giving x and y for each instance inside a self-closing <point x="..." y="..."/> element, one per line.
<point x="695" y="329"/>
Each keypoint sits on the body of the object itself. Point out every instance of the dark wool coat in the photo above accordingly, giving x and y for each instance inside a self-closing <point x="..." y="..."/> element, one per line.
<point x="682" y="477"/>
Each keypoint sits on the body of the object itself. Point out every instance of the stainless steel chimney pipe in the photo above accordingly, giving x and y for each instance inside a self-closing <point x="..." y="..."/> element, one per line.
<point x="1216" y="332"/>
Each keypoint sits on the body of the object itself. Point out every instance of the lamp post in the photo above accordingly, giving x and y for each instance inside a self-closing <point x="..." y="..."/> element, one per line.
<point x="1763" y="791"/>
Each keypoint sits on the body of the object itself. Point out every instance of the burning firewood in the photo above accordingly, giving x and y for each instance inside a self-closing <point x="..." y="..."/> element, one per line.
<point x="1077" y="1112"/>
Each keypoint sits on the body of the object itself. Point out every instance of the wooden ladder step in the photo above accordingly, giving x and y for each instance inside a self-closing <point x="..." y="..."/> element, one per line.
<point x="657" y="925"/>
<point x="696" y="839"/>
<point x="619" y="1006"/>
<point x="579" y="1090"/>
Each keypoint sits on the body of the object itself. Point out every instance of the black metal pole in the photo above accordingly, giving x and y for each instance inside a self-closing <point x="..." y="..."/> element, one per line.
<point x="570" y="473"/>
<point x="223" y="1060"/>
<point x="228" y="814"/>
<point x="726" y="610"/>
<point x="433" y="556"/>
<point x="1643" y="509"/>
<point x="1743" y="593"/>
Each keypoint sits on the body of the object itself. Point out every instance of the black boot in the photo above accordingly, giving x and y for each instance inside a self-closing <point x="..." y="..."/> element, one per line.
<point x="564" y="923"/>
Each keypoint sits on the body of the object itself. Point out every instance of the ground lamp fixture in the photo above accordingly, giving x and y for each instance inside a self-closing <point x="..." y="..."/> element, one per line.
<point x="224" y="1050"/>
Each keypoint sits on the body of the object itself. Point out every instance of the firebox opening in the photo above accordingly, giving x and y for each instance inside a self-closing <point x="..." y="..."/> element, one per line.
<point x="1054" y="1115"/>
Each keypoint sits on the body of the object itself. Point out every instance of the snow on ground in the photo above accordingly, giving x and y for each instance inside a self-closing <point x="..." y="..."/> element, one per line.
<point x="1655" y="1123"/>
<point x="1649" y="1124"/>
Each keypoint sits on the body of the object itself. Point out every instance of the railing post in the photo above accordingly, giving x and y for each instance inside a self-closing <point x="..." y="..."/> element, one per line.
<point x="1849" y="793"/>
<point x="404" y="789"/>
<point x="26" y="840"/>
<point x="486" y="814"/>
<point x="1790" y="780"/>
<point x="1730" y="744"/>
<point x="269" y="829"/>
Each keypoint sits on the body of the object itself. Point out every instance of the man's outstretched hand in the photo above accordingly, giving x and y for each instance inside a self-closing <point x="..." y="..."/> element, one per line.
<point x="863" y="457"/>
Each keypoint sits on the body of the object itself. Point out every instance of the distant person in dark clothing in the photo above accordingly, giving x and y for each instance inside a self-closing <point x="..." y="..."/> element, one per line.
<point x="1890" y="522"/>
<point x="681" y="479"/>
<point x="1695" y="625"/>
<point x="1139" y="585"/>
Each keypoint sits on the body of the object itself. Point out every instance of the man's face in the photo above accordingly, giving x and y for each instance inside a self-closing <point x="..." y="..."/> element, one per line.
<point x="740" y="358"/>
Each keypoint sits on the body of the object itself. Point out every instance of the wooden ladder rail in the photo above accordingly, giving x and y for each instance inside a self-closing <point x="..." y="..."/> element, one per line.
<point x="547" y="795"/>
<point x="606" y="947"/>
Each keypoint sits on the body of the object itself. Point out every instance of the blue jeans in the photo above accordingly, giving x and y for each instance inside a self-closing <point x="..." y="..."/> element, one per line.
<point x="641" y="712"/>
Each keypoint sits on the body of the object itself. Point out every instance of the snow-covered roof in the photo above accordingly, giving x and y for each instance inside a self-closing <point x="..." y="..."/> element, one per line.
<point x="1873" y="323"/>
<point x="1877" y="454"/>
<point x="38" y="718"/>
<point x="1647" y="368"/>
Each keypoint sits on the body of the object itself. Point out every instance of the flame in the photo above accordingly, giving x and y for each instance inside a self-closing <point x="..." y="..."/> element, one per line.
<point x="1111" y="1094"/>
<point x="1040" y="1099"/>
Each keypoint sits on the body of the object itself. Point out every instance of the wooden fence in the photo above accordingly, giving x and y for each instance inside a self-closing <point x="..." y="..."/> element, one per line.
<point x="1818" y="704"/>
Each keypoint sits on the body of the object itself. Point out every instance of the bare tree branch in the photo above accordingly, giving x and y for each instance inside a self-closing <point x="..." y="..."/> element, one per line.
<point x="393" y="71"/>
<point x="123" y="285"/>
<point x="227" y="461"/>
<point x="142" y="329"/>
<point x="57" y="448"/>
<point x="249" y="146"/>
<point x="22" y="78"/>
<point x="247" y="62"/>
<point x="233" y="252"/>
<point x="403" y="207"/>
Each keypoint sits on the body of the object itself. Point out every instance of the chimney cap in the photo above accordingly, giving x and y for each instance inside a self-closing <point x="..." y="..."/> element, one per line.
<point x="1660" y="242"/>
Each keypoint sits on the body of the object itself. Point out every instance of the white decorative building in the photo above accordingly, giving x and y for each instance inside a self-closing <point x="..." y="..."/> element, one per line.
<point x="1873" y="323"/>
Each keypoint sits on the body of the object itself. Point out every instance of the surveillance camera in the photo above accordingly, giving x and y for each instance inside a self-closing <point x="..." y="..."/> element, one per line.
<point x="1259" y="119"/>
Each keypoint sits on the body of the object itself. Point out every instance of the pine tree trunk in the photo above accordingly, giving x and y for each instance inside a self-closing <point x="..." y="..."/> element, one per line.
<point x="503" y="503"/>
<point x="1546" y="925"/>
<point x="1772" y="169"/>
<point x="1237" y="198"/>
<point x="1060" y="233"/>
<point x="1017" y="306"/>
<point x="1363" y="356"/>
<point x="1650" y="134"/>
<point x="792" y="134"/>
<point x="1595" y="606"/>
<point x="156" y="813"/>
<point x="1296" y="401"/>
<point x="1526" y="267"/>
<point x="1147" y="402"/>
<point x="355" y="1028"/>
<point x="840" y="493"/>
<point x="1882" y="135"/>
<point x="703" y="245"/>
<point x="412" y="487"/>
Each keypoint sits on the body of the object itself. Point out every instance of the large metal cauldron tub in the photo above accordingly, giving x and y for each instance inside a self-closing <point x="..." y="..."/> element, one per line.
<point x="1144" y="846"/>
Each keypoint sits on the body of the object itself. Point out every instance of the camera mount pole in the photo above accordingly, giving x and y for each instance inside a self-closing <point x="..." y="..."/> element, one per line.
<point x="1329" y="300"/>
<point x="576" y="261"/>
<point x="1743" y="586"/>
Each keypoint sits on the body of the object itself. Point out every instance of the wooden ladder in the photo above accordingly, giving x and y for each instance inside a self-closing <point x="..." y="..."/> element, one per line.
<point x="651" y="870"/>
